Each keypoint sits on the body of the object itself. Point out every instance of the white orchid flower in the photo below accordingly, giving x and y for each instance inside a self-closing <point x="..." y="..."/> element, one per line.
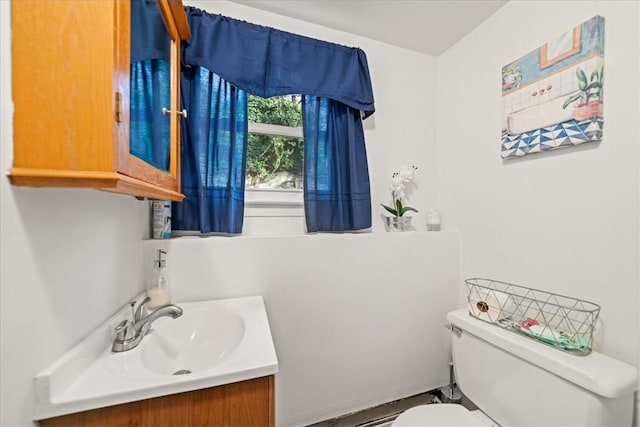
<point x="398" y="181"/>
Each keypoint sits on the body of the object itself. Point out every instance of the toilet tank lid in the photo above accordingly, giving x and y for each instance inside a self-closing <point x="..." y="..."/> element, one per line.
<point x="598" y="373"/>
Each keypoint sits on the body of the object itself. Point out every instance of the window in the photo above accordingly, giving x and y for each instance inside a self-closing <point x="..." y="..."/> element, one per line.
<point x="275" y="151"/>
<point x="561" y="48"/>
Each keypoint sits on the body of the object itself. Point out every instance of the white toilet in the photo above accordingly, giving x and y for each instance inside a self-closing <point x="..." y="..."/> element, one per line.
<point x="516" y="381"/>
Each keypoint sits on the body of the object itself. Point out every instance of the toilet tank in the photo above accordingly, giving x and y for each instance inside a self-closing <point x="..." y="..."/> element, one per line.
<point x="520" y="382"/>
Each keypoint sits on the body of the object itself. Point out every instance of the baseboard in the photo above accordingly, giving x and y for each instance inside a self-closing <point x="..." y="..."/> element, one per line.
<point x="381" y="415"/>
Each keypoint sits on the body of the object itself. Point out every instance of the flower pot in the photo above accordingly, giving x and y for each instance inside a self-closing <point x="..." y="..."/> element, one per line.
<point x="588" y="111"/>
<point x="397" y="223"/>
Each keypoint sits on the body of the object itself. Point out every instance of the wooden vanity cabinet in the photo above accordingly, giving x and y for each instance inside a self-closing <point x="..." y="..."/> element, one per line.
<point x="71" y="73"/>
<point x="243" y="404"/>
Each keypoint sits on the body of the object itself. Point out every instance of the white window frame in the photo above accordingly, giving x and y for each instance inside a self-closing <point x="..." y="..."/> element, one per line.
<point x="274" y="202"/>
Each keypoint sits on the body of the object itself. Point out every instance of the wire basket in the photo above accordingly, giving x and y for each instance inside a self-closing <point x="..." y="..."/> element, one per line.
<point x="559" y="321"/>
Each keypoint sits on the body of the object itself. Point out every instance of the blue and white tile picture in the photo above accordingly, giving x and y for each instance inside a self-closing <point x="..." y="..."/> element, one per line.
<point x="553" y="97"/>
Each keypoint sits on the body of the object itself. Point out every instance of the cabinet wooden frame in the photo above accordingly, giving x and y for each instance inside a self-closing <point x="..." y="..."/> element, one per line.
<point x="71" y="81"/>
<point x="241" y="404"/>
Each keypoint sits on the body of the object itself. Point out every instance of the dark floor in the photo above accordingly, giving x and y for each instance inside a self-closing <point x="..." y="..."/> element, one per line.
<point x="381" y="415"/>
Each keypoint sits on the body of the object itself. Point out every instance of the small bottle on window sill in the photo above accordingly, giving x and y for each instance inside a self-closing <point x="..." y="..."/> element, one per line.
<point x="433" y="220"/>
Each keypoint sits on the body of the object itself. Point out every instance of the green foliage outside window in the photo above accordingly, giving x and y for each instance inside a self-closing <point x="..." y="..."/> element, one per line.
<point x="269" y="155"/>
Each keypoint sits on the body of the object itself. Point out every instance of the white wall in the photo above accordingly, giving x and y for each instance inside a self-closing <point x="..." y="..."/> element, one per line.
<point x="564" y="221"/>
<point x="356" y="319"/>
<point x="68" y="259"/>
<point x="367" y="329"/>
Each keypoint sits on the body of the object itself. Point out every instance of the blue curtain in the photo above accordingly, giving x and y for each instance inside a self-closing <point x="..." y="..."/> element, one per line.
<point x="149" y="131"/>
<point x="214" y="150"/>
<point x="268" y="62"/>
<point x="337" y="194"/>
<point x="149" y="36"/>
<point x="336" y="85"/>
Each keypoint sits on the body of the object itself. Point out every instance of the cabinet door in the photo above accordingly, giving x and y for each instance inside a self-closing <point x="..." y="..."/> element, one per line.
<point x="178" y="28"/>
<point x="154" y="95"/>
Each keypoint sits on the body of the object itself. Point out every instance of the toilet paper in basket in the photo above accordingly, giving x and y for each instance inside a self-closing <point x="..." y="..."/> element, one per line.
<point x="490" y="305"/>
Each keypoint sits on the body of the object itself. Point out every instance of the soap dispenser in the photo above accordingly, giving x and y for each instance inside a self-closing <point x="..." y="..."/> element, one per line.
<point x="158" y="286"/>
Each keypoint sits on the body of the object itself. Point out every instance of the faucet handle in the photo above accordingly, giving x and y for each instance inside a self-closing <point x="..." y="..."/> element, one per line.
<point x="138" y="314"/>
<point x="124" y="331"/>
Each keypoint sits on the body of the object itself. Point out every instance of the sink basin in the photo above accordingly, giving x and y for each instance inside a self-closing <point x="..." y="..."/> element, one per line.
<point x="213" y="343"/>
<point x="195" y="341"/>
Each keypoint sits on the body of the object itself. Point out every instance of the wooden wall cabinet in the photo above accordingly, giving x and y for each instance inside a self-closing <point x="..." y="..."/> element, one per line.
<point x="243" y="404"/>
<point x="70" y="71"/>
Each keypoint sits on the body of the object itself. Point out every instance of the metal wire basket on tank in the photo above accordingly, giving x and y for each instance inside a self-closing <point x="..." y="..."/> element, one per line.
<point x="559" y="321"/>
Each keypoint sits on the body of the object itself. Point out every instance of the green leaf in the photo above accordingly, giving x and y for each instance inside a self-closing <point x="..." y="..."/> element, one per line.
<point x="399" y="207"/>
<point x="390" y="210"/>
<point x="569" y="100"/>
<point x="593" y="85"/>
<point x="582" y="79"/>
<point x="407" y="209"/>
<point x="594" y="75"/>
<point x="591" y="96"/>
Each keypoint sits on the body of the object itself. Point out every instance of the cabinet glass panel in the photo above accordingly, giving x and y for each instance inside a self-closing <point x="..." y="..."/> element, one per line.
<point x="150" y="86"/>
<point x="150" y="128"/>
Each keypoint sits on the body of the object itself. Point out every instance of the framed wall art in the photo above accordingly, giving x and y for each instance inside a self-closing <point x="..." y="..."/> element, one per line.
<point x="553" y="97"/>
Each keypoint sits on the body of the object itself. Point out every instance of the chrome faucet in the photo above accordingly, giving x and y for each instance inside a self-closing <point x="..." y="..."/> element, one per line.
<point x="129" y="333"/>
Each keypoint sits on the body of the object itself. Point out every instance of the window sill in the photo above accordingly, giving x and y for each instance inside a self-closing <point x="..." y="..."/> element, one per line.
<point x="273" y="203"/>
<point x="276" y="234"/>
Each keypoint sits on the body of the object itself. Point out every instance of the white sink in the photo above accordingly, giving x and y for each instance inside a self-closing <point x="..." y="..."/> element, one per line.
<point x="196" y="341"/>
<point x="212" y="343"/>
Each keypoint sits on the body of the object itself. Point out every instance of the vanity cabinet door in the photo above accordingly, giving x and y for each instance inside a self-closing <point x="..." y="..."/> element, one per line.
<point x="71" y="74"/>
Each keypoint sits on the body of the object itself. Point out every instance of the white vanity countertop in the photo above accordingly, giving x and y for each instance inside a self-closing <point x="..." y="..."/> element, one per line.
<point x="84" y="377"/>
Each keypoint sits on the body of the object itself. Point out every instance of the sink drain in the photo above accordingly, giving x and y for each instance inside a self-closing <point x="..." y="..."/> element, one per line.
<point x="182" y="372"/>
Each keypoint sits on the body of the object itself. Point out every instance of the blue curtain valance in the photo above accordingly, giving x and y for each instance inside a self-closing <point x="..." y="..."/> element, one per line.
<point x="268" y="62"/>
<point x="260" y="60"/>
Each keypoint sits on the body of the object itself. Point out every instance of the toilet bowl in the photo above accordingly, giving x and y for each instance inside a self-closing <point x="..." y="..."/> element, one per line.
<point x="445" y="414"/>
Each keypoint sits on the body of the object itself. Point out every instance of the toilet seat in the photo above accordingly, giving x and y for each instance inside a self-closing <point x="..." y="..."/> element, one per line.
<point x="441" y="414"/>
